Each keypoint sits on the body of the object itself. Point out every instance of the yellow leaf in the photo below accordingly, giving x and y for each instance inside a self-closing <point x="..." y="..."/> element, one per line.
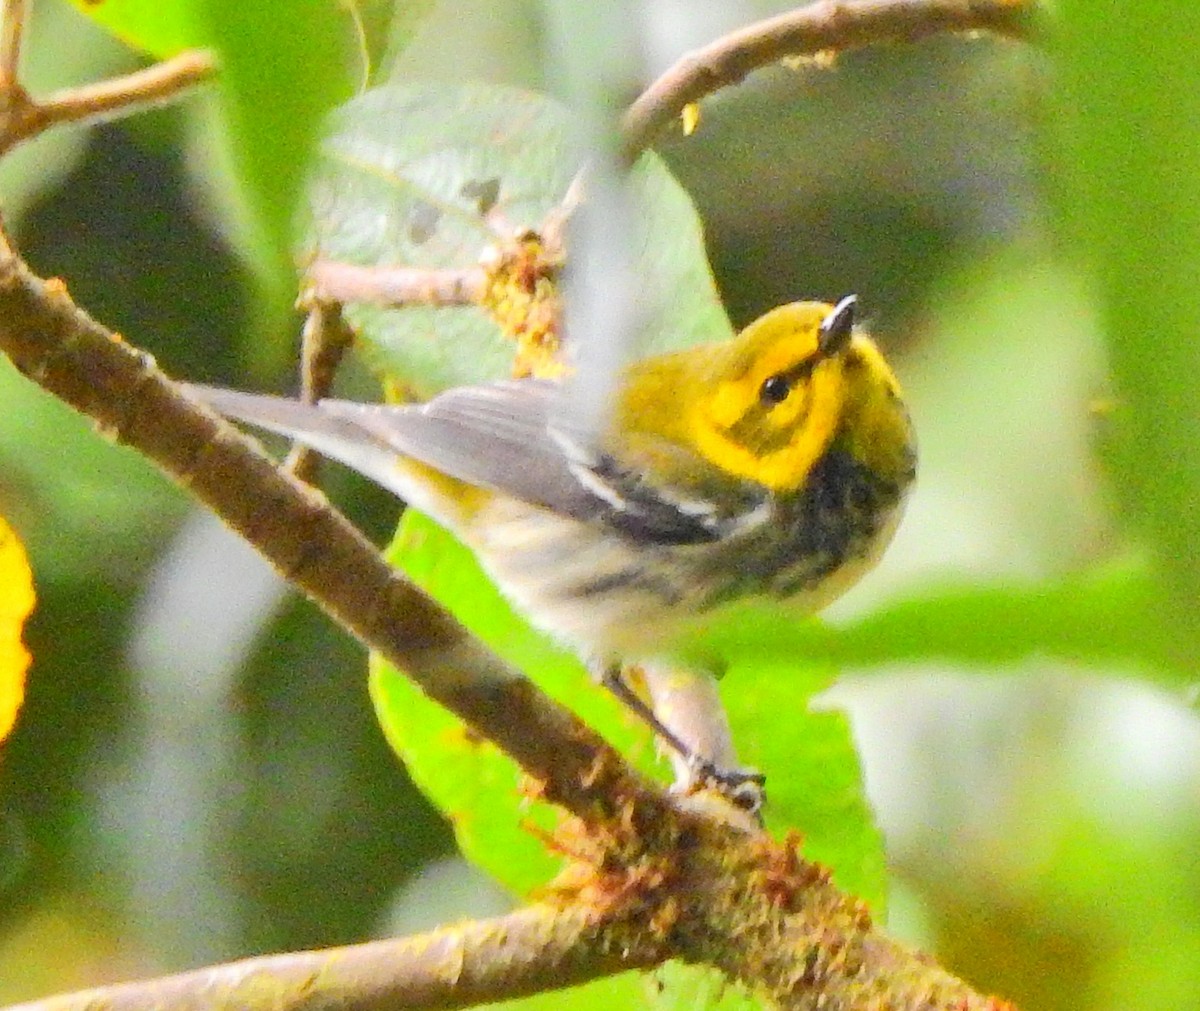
<point x="16" y="601"/>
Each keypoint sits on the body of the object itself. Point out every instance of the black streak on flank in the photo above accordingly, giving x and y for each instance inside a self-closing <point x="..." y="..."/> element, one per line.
<point x="833" y="518"/>
<point x="632" y="579"/>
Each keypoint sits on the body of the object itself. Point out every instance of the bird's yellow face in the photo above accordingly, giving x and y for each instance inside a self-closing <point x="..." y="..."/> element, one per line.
<point x="765" y="406"/>
<point x="771" y="399"/>
<point x="777" y="395"/>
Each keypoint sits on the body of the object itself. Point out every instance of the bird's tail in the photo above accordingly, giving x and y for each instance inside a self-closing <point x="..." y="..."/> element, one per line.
<point x="341" y="438"/>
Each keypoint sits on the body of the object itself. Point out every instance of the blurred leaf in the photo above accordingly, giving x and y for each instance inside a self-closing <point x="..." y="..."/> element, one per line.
<point x="1103" y="616"/>
<point x="65" y="941"/>
<point x="159" y="27"/>
<point x="283" y="66"/>
<point x="432" y="176"/>
<point x="675" y="986"/>
<point x="16" y="603"/>
<point x="383" y="29"/>
<point x="626" y="990"/>
<point x="1132" y="96"/>
<point x="97" y="503"/>
<point x="472" y="782"/>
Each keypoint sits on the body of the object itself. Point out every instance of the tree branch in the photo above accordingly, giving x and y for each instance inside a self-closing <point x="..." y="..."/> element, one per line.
<point x="312" y="545"/>
<point x="136" y="92"/>
<point x="324" y="343"/>
<point x="819" y="27"/>
<point x="712" y="895"/>
<point x="22" y="117"/>
<point x="334" y="281"/>
<point x="531" y="950"/>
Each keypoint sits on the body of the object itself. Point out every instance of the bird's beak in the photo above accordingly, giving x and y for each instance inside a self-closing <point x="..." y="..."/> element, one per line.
<point x="837" y="328"/>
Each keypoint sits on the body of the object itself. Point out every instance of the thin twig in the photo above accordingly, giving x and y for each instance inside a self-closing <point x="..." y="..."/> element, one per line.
<point x="324" y="343"/>
<point x="528" y="951"/>
<point x="332" y="281"/>
<point x="136" y="92"/>
<point x="25" y="117"/>
<point x="819" y="27"/>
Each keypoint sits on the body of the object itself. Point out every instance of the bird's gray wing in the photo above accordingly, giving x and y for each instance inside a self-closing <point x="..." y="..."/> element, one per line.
<point x="496" y="436"/>
<point x="510" y="437"/>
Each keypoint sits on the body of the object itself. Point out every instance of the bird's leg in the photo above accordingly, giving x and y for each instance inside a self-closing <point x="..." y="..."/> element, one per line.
<point x="742" y="786"/>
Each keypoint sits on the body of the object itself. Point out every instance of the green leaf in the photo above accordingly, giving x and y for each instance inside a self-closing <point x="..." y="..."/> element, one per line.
<point x="97" y="504"/>
<point x="282" y="68"/>
<point x="434" y="175"/>
<point x="1127" y="178"/>
<point x="625" y="990"/>
<point x="1104" y="616"/>
<point x="384" y="29"/>
<point x="675" y="986"/>
<point x="159" y="27"/>
<point x="814" y="779"/>
<point x="472" y="782"/>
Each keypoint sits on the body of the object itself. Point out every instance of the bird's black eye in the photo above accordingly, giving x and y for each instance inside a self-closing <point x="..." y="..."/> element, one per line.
<point x="775" y="389"/>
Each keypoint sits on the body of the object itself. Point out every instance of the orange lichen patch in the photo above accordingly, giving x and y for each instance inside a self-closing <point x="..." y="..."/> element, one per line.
<point x="784" y="877"/>
<point x="664" y="918"/>
<point x="531" y="788"/>
<point x="56" y="287"/>
<point x="522" y="296"/>
<point x="16" y="603"/>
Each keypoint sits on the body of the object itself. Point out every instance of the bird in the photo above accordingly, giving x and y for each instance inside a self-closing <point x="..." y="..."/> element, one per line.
<point x="773" y="465"/>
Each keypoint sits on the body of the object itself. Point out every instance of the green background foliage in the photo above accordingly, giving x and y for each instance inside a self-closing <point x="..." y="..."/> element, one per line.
<point x="184" y="786"/>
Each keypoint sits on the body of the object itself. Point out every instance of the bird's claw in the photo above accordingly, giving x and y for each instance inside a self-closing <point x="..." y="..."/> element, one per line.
<point x="742" y="787"/>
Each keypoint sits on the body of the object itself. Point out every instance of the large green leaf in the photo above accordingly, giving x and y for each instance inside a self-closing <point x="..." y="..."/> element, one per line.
<point x="815" y="784"/>
<point x="433" y="175"/>
<point x="809" y="757"/>
<point x="159" y="27"/>
<point x="814" y="781"/>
